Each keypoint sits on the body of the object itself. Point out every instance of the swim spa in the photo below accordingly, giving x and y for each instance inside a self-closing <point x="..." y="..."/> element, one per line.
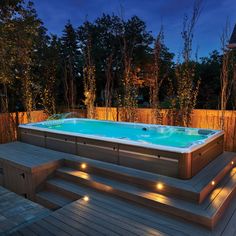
<point x="167" y="150"/>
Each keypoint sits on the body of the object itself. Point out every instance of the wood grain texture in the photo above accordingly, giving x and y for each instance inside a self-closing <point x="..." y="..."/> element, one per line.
<point x="16" y="211"/>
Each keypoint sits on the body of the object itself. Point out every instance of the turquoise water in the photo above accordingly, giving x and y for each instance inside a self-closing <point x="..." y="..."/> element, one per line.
<point x="159" y="135"/>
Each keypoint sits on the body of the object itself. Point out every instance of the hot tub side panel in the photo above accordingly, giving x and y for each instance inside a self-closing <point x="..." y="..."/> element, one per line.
<point x="33" y="137"/>
<point x="97" y="150"/>
<point x="60" y="142"/>
<point x="204" y="155"/>
<point x="147" y="159"/>
<point x="191" y="163"/>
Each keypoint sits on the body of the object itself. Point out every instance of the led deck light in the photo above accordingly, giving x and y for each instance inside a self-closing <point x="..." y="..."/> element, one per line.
<point x="232" y="162"/>
<point x="83" y="166"/>
<point x="86" y="198"/>
<point x="159" y="186"/>
<point x="213" y="183"/>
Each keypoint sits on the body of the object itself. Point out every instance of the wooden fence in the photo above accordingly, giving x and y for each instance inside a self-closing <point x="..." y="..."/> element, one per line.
<point x="211" y="119"/>
<point x="10" y="121"/>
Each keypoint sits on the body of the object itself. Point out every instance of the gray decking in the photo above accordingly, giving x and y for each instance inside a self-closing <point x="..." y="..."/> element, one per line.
<point x="102" y="214"/>
<point x="16" y="211"/>
<point x="28" y="157"/>
<point x="110" y="216"/>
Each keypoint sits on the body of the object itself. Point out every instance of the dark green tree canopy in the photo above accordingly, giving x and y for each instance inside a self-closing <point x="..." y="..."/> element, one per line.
<point x="39" y="70"/>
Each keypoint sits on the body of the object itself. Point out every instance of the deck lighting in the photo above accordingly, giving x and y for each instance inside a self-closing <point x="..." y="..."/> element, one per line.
<point x="86" y="198"/>
<point x="159" y="186"/>
<point x="232" y="162"/>
<point x="213" y="183"/>
<point x="83" y="166"/>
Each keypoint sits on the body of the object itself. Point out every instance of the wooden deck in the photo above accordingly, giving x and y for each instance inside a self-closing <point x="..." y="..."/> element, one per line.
<point x="122" y="201"/>
<point x="16" y="211"/>
<point x="104" y="215"/>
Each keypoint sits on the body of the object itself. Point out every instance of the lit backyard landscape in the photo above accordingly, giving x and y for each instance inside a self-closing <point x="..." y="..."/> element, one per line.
<point x="117" y="117"/>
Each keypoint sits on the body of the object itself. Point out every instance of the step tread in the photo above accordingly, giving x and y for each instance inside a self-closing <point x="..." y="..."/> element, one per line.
<point x="209" y="207"/>
<point x="143" y="214"/>
<point x="213" y="169"/>
<point x="54" y="198"/>
<point x="139" y="174"/>
<point x="119" y="185"/>
<point x="194" y="185"/>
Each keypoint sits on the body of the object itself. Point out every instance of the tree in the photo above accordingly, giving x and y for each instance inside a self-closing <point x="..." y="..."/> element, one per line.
<point x="7" y="48"/>
<point x="135" y="41"/>
<point x="227" y="69"/>
<point x="28" y="26"/>
<point x="108" y="55"/>
<point x="158" y="73"/>
<point x="7" y="57"/>
<point x="85" y="35"/>
<point x="20" y="27"/>
<point x="71" y="63"/>
<point x="51" y="71"/>
<point x="187" y="83"/>
<point x="209" y="72"/>
<point x="226" y="76"/>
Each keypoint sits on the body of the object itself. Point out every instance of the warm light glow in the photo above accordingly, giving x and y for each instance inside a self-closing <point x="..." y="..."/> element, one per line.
<point x="213" y="183"/>
<point x="159" y="186"/>
<point x="83" y="166"/>
<point x="232" y="162"/>
<point x="86" y="198"/>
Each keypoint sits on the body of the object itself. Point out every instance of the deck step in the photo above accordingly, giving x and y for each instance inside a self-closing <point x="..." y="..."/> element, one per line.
<point x="195" y="189"/>
<point x="52" y="200"/>
<point x="207" y="213"/>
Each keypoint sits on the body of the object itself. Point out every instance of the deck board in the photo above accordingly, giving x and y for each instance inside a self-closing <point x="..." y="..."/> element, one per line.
<point x="63" y="226"/>
<point x="118" y="218"/>
<point x="28" y="157"/>
<point x="105" y="214"/>
<point x="39" y="230"/>
<point x="82" y="221"/>
<point x="54" y="229"/>
<point x="81" y="226"/>
<point x="124" y="226"/>
<point x="101" y="219"/>
<point x="98" y="216"/>
<point x="16" y="211"/>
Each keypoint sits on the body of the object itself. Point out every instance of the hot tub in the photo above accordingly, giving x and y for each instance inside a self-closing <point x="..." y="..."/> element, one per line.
<point x="167" y="150"/>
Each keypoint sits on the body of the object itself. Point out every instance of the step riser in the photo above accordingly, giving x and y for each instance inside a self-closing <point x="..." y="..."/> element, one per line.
<point x="223" y="208"/>
<point x="63" y="191"/>
<point x="46" y="203"/>
<point x="140" y="200"/>
<point x="192" y="196"/>
<point x="208" y="189"/>
<point x="139" y="182"/>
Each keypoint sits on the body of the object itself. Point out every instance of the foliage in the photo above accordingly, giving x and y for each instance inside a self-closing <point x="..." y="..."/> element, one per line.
<point x="158" y="72"/>
<point x="21" y="28"/>
<point x="50" y="72"/>
<point x="135" y="41"/>
<point x="88" y="70"/>
<point x="111" y="61"/>
<point x="227" y="77"/>
<point x="209" y="71"/>
<point x="187" y="83"/>
<point x="108" y="49"/>
<point x="71" y="64"/>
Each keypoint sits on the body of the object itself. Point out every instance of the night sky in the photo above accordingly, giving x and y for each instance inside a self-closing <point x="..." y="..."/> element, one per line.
<point x="169" y="13"/>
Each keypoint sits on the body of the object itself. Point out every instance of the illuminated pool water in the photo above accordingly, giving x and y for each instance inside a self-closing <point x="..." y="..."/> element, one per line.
<point x="172" y="136"/>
